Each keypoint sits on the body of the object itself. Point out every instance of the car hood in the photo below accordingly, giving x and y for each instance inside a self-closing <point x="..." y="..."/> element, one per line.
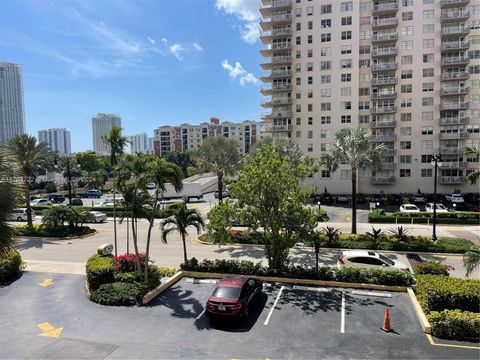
<point x="223" y="300"/>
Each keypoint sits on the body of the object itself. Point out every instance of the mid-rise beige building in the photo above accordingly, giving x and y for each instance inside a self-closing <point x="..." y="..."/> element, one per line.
<point x="190" y="137"/>
<point x="409" y="70"/>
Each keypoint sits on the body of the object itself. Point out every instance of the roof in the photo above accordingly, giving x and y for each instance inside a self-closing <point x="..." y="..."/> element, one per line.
<point x="232" y="282"/>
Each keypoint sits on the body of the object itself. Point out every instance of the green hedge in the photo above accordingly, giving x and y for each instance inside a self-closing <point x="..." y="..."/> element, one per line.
<point x="356" y="275"/>
<point x="11" y="266"/>
<point x="466" y="218"/>
<point x="99" y="271"/>
<point x="455" y="324"/>
<point x="40" y="230"/>
<point x="118" y="294"/>
<point x="472" y="215"/>
<point x="431" y="268"/>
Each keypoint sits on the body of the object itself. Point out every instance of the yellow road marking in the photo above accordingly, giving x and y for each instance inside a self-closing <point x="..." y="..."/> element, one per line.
<point x="46" y="282"/>
<point x="430" y="339"/>
<point x="193" y="206"/>
<point x="348" y="213"/>
<point x="49" y="331"/>
<point x="348" y="219"/>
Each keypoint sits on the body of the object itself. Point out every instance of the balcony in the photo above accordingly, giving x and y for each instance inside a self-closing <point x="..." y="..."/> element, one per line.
<point x="383" y="138"/>
<point x="451" y="180"/>
<point x="275" y="88"/>
<point x="455" y="30"/>
<point x="384" y="37"/>
<point x="267" y="36"/>
<point x="276" y="60"/>
<point x="384" y="110"/>
<point x="282" y="114"/>
<point x="455" y="61"/>
<point x="454" y="3"/>
<point x="278" y="128"/>
<point x="447" y="91"/>
<point x="454" y="136"/>
<point x="382" y="180"/>
<point x="454" y="120"/>
<point x="383" y="124"/>
<point x="385" y="8"/>
<point x="275" y="47"/>
<point x="454" y="165"/>
<point x="274" y="74"/>
<point x="384" y="81"/>
<point x="384" y="23"/>
<point x="455" y="46"/>
<point x="282" y="101"/>
<point x="267" y="23"/>
<point x="385" y="51"/>
<point x="455" y="16"/>
<point x="390" y="152"/>
<point x="451" y="150"/>
<point x="388" y="66"/>
<point x="460" y="75"/>
<point x="384" y="96"/>
<point x="389" y="166"/>
<point x="266" y="116"/>
<point x="276" y="5"/>
<point x="464" y="105"/>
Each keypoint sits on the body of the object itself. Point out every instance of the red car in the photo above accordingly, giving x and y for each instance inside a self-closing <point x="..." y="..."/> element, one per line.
<point x="233" y="296"/>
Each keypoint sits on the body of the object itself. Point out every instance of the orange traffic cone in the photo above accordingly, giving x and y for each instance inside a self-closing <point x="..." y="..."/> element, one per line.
<point x="386" y="322"/>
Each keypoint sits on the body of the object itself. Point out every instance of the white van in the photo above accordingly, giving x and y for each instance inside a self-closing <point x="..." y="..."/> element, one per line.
<point x="20" y="214"/>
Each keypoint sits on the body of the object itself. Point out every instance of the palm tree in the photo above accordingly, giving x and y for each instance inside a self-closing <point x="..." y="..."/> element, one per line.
<point x="29" y="157"/>
<point x="473" y="152"/>
<point x="181" y="218"/>
<point x="116" y="142"/>
<point x="355" y="148"/>
<point x="8" y="197"/>
<point x="471" y="259"/>
<point x="220" y="155"/>
<point x="183" y="159"/>
<point x="160" y="172"/>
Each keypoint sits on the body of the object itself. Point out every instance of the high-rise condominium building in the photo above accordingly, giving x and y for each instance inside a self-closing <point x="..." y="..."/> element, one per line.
<point x="408" y="70"/>
<point x="57" y="139"/>
<point x="190" y="137"/>
<point x="141" y="144"/>
<point x="12" y="115"/>
<point x="101" y="125"/>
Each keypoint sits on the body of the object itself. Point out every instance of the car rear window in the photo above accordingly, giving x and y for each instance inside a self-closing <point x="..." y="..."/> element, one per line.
<point x="226" y="292"/>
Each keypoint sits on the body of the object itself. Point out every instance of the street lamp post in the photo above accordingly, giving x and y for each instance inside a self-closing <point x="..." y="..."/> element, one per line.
<point x="436" y="162"/>
<point x="319" y="205"/>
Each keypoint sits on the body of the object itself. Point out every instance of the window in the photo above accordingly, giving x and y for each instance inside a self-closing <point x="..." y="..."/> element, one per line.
<point x="405" y="145"/>
<point x="346" y="20"/>
<point x="407" y="74"/>
<point x="299" y="26"/>
<point x="427" y="2"/>
<point x="326" y="9"/>
<point x="426" y="159"/>
<point x="407" y="45"/>
<point x="346" y="119"/>
<point x="346" y="6"/>
<point x="406" y="59"/>
<point x="428" y="58"/>
<point x="427" y="144"/>
<point x="346" y="49"/>
<point x="310" y="66"/>
<point x="310" y="39"/>
<point x="310" y="134"/>
<point x="327" y="23"/>
<point x="364" y="35"/>
<point x="310" y="53"/>
<point x="365" y="20"/>
<point x="407" y="30"/>
<point x="324" y="147"/>
<point x="325" y="120"/>
<point x="363" y="105"/>
<point x="364" y="63"/>
<point x="405" y="173"/>
<point x="325" y="79"/>
<point x="298" y="40"/>
<point x="346" y="63"/>
<point x="364" y="91"/>
<point x="298" y="12"/>
<point x="346" y="35"/>
<point x="406" y="117"/>
<point x="427" y="101"/>
<point x="428" y="29"/>
<point x="426" y="172"/>
<point x="408" y="15"/>
<point x="427" y="87"/>
<point x="310" y="120"/>
<point x="364" y="119"/>
<point x="299" y="121"/>
<point x="325" y="65"/>
<point x="298" y="81"/>
<point x="405" y="159"/>
<point x="427" y="130"/>
<point x="298" y="95"/>
<point x="309" y="10"/>
<point x="474" y="54"/>
<point x="325" y="134"/>
<point x="298" y="108"/>
<point x="310" y="94"/>
<point x="346" y="91"/>
<point x="406" y="88"/>
<point x="428" y="72"/>
<point x="326" y="106"/>
<point x="428" y="14"/>
<point x="326" y="92"/>
<point x="365" y="6"/>
<point x="310" y="25"/>
<point x="298" y="54"/>
<point x="325" y="173"/>
<point x="407" y="2"/>
<point x="427" y="116"/>
<point x="346" y="77"/>
<point x="364" y="49"/>
<point x="325" y="51"/>
<point x="346" y="105"/>
<point x="428" y="43"/>
<point x="310" y="80"/>
<point x="405" y="131"/>
<point x="326" y="37"/>
<point x="365" y="77"/>
<point x="405" y="103"/>
<point x="309" y="147"/>
<point x="298" y="133"/>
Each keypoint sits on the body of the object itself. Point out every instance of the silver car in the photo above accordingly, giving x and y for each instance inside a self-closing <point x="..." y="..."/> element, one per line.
<point x="369" y="259"/>
<point x="99" y="216"/>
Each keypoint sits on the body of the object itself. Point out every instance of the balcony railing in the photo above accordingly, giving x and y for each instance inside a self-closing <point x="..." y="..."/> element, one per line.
<point x="384" y="66"/>
<point x="382" y="180"/>
<point x="454" y="3"/>
<point x="278" y="128"/>
<point x="279" y="18"/>
<point x="455" y="45"/>
<point x="282" y="114"/>
<point x="384" y="96"/>
<point x="281" y="59"/>
<point x="378" y="23"/>
<point x="455" y="30"/>
<point x="383" y="138"/>
<point x="384" y="110"/>
<point x="454" y="120"/>
<point x="384" y="37"/>
<point x="455" y="15"/>
<point x="389" y="166"/>
<point x="388" y="51"/>
<point x="385" y="7"/>
<point x="457" y="60"/>
<point x="464" y="105"/>
<point x="447" y="91"/>
<point x="383" y="124"/>
<point x="384" y="81"/>
<point x="461" y="75"/>
<point x="276" y="4"/>
<point x="453" y="136"/>
<point x="451" y="150"/>
<point x="454" y="165"/>
<point x="281" y="31"/>
<point x="446" y="180"/>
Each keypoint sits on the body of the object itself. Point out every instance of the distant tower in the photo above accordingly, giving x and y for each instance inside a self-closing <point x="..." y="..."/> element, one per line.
<point x="101" y="125"/>
<point x="57" y="139"/>
<point x="12" y="115"/>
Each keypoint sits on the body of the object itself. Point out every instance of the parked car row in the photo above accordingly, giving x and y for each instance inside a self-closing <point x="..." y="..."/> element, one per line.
<point x="20" y="214"/>
<point x="412" y="208"/>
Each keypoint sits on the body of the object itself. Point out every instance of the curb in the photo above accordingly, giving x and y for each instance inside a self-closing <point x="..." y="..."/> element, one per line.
<point x="58" y="238"/>
<point x="427" y="328"/>
<point x="159" y="289"/>
<point x="87" y="290"/>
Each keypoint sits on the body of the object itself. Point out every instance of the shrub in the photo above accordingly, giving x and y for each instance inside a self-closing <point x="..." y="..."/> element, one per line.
<point x="50" y="188"/>
<point x="438" y="293"/>
<point x="126" y="262"/>
<point x="166" y="271"/>
<point x="432" y="268"/>
<point x="99" y="271"/>
<point x="154" y="277"/>
<point x="374" y="276"/>
<point x="455" y="324"/>
<point x="118" y="294"/>
<point x="10" y="266"/>
<point x="127" y="277"/>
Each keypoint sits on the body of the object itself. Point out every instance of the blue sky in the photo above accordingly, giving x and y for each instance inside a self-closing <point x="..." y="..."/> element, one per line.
<point x="152" y="62"/>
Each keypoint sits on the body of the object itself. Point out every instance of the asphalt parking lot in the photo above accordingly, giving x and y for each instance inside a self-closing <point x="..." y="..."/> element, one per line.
<point x="286" y="322"/>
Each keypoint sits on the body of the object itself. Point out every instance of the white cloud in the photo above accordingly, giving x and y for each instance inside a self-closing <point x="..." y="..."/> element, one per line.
<point x="247" y="12"/>
<point x="239" y="72"/>
<point x="176" y="50"/>
<point x="152" y="41"/>
<point x="197" y="46"/>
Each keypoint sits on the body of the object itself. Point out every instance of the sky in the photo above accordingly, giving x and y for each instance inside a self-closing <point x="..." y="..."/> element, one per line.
<point x="153" y="62"/>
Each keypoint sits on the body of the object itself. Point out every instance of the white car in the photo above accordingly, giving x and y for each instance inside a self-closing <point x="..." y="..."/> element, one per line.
<point x="370" y="260"/>
<point x="39" y="202"/>
<point x="409" y="208"/>
<point x="20" y="214"/>
<point x="455" y="198"/>
<point x="440" y="208"/>
<point x="99" y="216"/>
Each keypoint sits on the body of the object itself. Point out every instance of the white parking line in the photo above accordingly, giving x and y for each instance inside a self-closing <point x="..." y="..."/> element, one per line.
<point x="202" y="281"/>
<point x="310" y="288"/>
<point x="274" y="305"/>
<point x="200" y="315"/>
<point x="342" y="321"/>
<point x="371" y="293"/>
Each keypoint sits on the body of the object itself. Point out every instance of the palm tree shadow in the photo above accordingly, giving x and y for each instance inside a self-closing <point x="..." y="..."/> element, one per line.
<point x="181" y="302"/>
<point x="29" y="243"/>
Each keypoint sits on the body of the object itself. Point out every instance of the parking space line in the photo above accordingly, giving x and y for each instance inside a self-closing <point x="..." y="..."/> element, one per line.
<point x="430" y="339"/>
<point x="310" y="288"/>
<point x="371" y="293"/>
<point x="274" y="305"/>
<point x="342" y="321"/>
<point x="200" y="315"/>
<point x="202" y="281"/>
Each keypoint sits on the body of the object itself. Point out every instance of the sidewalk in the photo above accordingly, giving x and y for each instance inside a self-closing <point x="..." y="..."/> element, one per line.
<point x="57" y="267"/>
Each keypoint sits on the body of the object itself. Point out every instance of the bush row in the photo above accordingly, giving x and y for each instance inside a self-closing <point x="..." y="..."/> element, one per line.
<point x="418" y="220"/>
<point x="347" y="274"/>
<point x="450" y="215"/>
<point x="455" y="324"/>
<point x="42" y="231"/>
<point x="11" y="266"/>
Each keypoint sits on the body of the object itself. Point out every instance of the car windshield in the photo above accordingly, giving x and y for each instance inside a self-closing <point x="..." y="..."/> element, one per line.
<point x="226" y="292"/>
<point x="386" y="259"/>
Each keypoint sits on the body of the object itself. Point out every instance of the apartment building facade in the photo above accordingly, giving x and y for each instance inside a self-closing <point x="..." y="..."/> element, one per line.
<point x="101" y="125"/>
<point x="58" y="140"/>
<point x="408" y="70"/>
<point x="190" y="137"/>
<point x="12" y="111"/>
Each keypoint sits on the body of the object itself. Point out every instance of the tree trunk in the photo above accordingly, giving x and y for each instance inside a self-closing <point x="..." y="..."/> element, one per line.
<point x="149" y="235"/>
<point x="26" y="192"/>
<point x="220" y="185"/>
<point x="135" y="246"/>
<point x="114" y="216"/>
<point x="185" y="259"/>
<point x="317" y="251"/>
<point x="354" y="200"/>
